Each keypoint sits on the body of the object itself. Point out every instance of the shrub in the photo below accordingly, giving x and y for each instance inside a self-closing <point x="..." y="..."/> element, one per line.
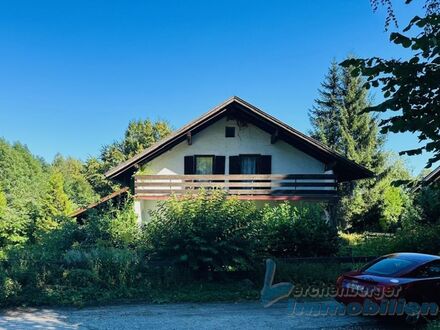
<point x="428" y="200"/>
<point x="114" y="227"/>
<point x="296" y="231"/>
<point x="203" y="232"/>
<point x="105" y="267"/>
<point x="421" y="239"/>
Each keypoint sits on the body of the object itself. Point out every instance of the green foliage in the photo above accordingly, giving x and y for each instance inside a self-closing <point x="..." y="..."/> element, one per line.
<point x="311" y="275"/>
<point x="23" y="185"/>
<point x="76" y="186"/>
<point x="428" y="201"/>
<point x="124" y="228"/>
<point x="410" y="87"/>
<point x="115" y="226"/>
<point x="56" y="202"/>
<point x="324" y="116"/>
<point x="379" y="204"/>
<point x="296" y="231"/>
<point x="206" y="232"/>
<point x="211" y="232"/>
<point x="421" y="239"/>
<point x="55" y="205"/>
<point x="339" y="121"/>
<point x="139" y="135"/>
<point x="64" y="268"/>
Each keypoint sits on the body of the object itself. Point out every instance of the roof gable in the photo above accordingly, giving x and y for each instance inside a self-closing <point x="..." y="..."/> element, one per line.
<point x="344" y="169"/>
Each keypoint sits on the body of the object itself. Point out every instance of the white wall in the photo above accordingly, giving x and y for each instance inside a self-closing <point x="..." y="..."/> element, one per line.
<point x="248" y="140"/>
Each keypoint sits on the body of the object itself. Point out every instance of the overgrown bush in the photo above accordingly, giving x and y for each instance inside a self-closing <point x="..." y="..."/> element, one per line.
<point x="203" y="232"/>
<point x="209" y="231"/>
<point x="428" y="201"/>
<point x="116" y="227"/>
<point x="296" y="231"/>
<point x="421" y="239"/>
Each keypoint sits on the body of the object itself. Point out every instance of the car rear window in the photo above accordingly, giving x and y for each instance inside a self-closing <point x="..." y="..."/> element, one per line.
<point x="389" y="266"/>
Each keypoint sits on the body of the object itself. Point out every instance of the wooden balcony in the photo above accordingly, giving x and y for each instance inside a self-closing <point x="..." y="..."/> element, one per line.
<point x="247" y="187"/>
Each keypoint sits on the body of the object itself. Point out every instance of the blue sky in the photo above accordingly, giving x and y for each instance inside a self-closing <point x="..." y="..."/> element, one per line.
<point x="73" y="73"/>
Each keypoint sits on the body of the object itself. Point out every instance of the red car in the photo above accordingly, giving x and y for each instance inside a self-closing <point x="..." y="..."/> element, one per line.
<point x="398" y="277"/>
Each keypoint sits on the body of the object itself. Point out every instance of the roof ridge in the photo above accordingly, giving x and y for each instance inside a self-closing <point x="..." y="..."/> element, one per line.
<point x="319" y="147"/>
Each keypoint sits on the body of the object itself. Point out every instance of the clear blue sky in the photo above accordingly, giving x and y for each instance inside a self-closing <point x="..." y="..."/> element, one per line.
<point x="73" y="73"/>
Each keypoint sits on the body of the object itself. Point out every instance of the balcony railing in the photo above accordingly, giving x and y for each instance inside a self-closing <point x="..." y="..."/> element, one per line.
<point x="253" y="186"/>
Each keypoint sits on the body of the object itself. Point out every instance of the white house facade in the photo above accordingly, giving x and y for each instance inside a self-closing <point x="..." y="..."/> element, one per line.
<point x="242" y="150"/>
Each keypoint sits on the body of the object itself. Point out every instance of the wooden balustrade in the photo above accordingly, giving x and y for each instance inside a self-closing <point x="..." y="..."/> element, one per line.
<point x="244" y="186"/>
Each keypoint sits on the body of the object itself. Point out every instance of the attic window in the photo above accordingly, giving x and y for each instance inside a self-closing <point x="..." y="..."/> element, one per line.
<point x="229" y="131"/>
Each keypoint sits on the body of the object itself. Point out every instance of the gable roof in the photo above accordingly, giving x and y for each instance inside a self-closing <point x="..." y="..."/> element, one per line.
<point x="344" y="168"/>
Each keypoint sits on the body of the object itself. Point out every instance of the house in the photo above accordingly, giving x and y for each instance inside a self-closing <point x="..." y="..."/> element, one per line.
<point x="242" y="150"/>
<point x="433" y="178"/>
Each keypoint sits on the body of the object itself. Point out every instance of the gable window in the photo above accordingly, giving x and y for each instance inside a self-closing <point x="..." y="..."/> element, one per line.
<point x="204" y="164"/>
<point x="229" y="131"/>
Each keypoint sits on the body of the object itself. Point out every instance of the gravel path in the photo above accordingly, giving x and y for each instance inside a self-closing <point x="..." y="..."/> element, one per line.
<point x="247" y="315"/>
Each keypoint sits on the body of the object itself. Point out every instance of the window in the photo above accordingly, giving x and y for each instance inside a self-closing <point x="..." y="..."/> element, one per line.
<point x="229" y="131"/>
<point x="204" y="164"/>
<point x="431" y="270"/>
<point x="248" y="164"/>
<point x="388" y="266"/>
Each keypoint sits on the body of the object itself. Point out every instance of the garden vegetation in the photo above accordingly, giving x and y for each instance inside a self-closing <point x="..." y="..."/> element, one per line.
<point x="209" y="247"/>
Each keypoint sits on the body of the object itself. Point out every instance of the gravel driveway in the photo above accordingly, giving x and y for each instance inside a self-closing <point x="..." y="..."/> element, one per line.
<point x="247" y="315"/>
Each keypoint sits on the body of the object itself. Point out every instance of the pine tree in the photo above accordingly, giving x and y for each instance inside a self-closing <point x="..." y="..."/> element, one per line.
<point x="339" y="121"/>
<point x="360" y="140"/>
<point x="324" y="114"/>
<point x="56" y="203"/>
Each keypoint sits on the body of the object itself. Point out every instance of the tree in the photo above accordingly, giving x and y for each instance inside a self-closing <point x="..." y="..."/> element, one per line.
<point x="411" y="87"/>
<point x="76" y="186"/>
<point x="324" y="116"/>
<point x="139" y="135"/>
<point x="359" y="138"/>
<point x="23" y="182"/>
<point x="373" y="204"/>
<point x="56" y="203"/>
<point x="338" y="120"/>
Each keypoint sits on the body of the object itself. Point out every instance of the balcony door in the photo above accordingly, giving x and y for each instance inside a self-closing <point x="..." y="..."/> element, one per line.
<point x="250" y="164"/>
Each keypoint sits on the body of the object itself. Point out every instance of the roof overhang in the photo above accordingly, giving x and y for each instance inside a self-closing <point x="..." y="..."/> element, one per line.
<point x="432" y="177"/>
<point x="344" y="169"/>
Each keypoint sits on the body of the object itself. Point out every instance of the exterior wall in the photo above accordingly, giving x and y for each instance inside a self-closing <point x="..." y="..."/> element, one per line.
<point x="248" y="140"/>
<point x="212" y="141"/>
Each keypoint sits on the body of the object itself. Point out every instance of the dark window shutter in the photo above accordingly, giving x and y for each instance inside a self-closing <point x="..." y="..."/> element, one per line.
<point x="234" y="165"/>
<point x="219" y="165"/>
<point x="189" y="165"/>
<point x="264" y="164"/>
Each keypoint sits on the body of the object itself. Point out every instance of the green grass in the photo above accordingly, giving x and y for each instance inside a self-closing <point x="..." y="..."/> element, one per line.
<point x="90" y="296"/>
